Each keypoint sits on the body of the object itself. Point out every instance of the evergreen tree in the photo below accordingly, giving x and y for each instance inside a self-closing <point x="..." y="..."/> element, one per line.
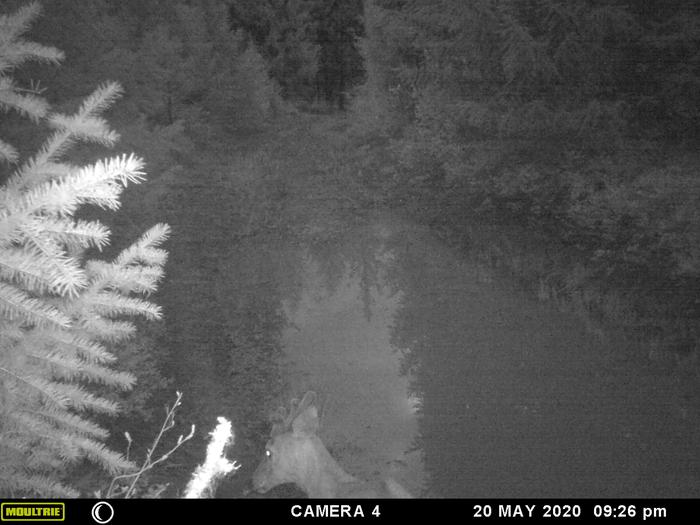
<point x="503" y="95"/>
<point x="381" y="103"/>
<point x="311" y="45"/>
<point x="60" y="312"/>
<point x="284" y="31"/>
<point x="218" y="80"/>
<point x="338" y="27"/>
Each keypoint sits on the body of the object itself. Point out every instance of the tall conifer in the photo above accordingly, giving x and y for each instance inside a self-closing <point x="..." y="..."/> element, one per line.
<point x="59" y="311"/>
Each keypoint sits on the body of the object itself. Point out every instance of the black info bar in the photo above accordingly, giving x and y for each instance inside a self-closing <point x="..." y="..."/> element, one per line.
<point x="117" y="512"/>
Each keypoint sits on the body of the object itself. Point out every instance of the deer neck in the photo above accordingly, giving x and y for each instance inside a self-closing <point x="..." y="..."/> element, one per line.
<point x="322" y="477"/>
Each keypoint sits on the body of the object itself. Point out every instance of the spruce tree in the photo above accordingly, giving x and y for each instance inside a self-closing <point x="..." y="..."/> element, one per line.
<point x="59" y="311"/>
<point x="284" y="31"/>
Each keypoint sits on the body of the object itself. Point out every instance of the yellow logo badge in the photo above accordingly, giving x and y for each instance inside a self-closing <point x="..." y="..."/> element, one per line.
<point x="32" y="511"/>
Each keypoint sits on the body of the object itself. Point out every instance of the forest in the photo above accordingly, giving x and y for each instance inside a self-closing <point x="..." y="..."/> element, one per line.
<point x="184" y="181"/>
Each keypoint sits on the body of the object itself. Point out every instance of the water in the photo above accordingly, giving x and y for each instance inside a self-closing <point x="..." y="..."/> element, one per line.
<point x="433" y="370"/>
<point x="339" y="344"/>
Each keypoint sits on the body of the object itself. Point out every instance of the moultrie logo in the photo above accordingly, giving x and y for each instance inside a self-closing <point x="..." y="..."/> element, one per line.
<point x="32" y="511"/>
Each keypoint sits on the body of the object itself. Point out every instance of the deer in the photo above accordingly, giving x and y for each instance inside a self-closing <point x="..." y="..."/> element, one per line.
<point x="295" y="454"/>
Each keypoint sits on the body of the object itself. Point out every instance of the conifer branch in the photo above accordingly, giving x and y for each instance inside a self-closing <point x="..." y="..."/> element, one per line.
<point x="137" y="279"/>
<point x="72" y="423"/>
<point x="40" y="385"/>
<point x="111" y="461"/>
<point x="8" y="153"/>
<point x="26" y="104"/>
<point x="22" y="51"/>
<point x="88" y="349"/>
<point x="16" y="24"/>
<point x="55" y="306"/>
<point x="17" y="305"/>
<point x="40" y="484"/>
<point x="69" y="368"/>
<point x="101" y="99"/>
<point x="77" y="397"/>
<point x="144" y="251"/>
<point x="106" y="329"/>
<point x="110" y="304"/>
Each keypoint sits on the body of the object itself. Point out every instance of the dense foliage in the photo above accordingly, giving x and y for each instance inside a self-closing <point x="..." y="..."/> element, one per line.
<point x="311" y="44"/>
<point x="575" y="118"/>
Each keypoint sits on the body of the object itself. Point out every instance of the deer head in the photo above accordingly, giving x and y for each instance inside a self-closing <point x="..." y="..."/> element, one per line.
<point x="295" y="453"/>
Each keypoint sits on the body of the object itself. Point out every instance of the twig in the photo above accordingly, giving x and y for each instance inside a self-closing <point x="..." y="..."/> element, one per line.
<point x="148" y="464"/>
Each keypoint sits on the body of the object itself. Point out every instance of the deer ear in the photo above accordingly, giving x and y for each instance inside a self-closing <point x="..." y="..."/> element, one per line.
<point x="306" y="401"/>
<point x="306" y="422"/>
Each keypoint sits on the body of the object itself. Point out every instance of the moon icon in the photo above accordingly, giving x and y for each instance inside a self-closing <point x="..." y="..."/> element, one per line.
<point x="108" y="514"/>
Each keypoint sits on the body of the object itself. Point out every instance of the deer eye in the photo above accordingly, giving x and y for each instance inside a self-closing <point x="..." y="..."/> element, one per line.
<point x="268" y="453"/>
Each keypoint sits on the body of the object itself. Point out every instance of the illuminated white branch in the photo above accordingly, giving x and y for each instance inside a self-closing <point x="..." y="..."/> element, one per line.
<point x="215" y="464"/>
